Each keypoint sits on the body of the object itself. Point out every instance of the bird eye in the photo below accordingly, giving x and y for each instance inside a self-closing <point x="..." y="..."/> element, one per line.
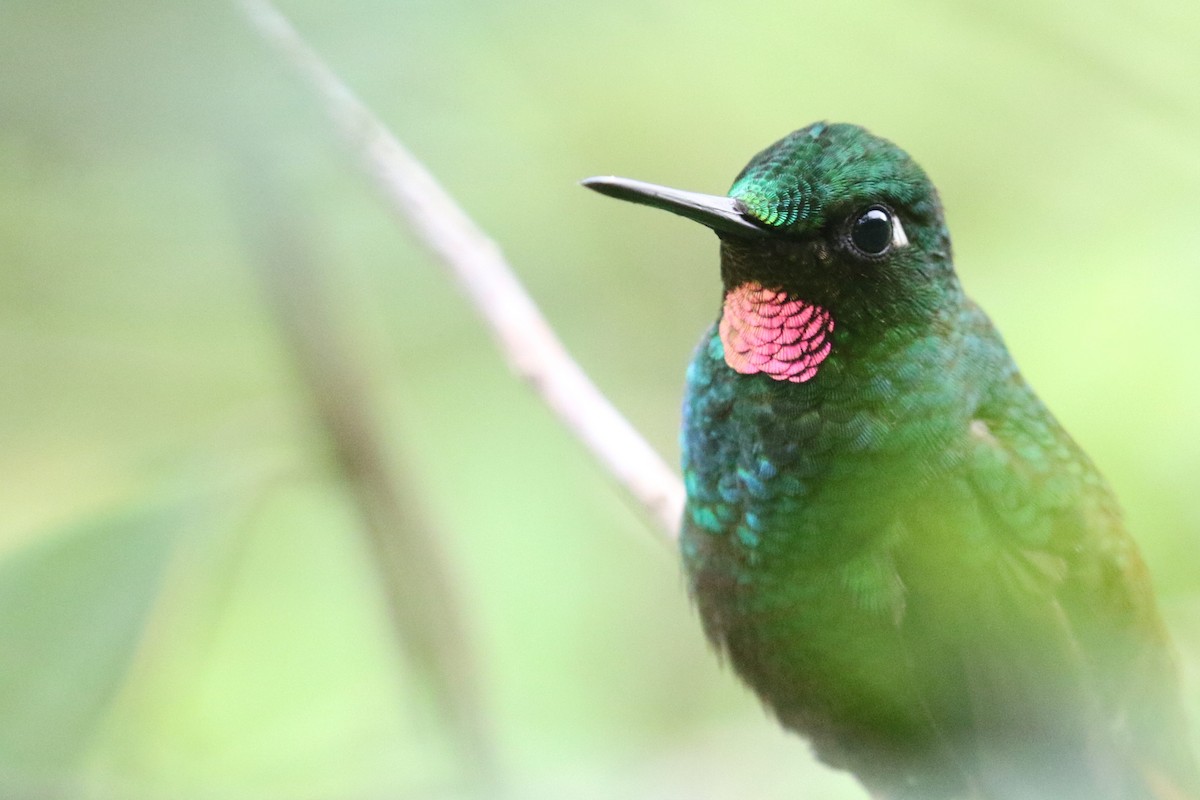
<point x="871" y="233"/>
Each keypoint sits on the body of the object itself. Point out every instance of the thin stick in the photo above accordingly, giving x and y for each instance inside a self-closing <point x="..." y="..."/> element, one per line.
<point x="526" y="339"/>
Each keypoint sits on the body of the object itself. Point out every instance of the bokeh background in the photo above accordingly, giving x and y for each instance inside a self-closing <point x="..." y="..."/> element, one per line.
<point x="188" y="607"/>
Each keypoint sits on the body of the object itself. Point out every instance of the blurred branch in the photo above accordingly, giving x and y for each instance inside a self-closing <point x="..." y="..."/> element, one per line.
<point x="526" y="339"/>
<point x="415" y="575"/>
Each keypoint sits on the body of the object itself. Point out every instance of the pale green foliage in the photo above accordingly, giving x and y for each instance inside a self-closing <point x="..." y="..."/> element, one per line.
<point x="250" y="656"/>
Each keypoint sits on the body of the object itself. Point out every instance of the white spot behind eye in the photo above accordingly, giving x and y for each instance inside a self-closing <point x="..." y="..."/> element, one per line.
<point x="899" y="237"/>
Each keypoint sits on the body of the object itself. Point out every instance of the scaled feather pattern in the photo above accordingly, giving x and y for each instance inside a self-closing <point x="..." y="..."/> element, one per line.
<point x="765" y="331"/>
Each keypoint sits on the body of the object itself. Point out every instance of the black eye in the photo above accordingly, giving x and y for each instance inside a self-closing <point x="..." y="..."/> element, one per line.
<point x="871" y="233"/>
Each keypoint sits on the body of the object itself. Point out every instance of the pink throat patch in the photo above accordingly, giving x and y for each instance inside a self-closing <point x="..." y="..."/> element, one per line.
<point x="764" y="331"/>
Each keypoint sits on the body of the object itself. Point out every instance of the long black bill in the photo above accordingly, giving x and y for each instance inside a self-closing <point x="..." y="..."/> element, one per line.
<point x="722" y="214"/>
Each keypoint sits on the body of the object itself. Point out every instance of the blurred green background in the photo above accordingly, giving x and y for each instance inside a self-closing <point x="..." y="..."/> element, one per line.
<point x="187" y="608"/>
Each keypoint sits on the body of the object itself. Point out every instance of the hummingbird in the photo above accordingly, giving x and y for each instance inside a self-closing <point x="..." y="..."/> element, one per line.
<point x="887" y="534"/>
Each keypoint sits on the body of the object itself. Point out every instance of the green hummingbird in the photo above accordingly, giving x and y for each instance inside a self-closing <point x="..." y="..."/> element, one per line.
<point x="887" y="534"/>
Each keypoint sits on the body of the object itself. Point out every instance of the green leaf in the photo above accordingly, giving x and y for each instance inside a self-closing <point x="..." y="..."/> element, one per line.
<point x="72" y="607"/>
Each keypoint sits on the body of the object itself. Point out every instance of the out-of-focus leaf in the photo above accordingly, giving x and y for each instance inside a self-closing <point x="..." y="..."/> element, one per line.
<point x="72" y="606"/>
<point x="268" y="671"/>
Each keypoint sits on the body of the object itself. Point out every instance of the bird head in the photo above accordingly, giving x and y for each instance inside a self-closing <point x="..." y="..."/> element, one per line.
<point x="829" y="226"/>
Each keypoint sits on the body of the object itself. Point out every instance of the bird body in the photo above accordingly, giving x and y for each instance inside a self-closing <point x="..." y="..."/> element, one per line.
<point x="887" y="534"/>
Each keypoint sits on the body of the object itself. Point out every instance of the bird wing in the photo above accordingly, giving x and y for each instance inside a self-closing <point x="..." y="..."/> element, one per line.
<point x="1031" y="622"/>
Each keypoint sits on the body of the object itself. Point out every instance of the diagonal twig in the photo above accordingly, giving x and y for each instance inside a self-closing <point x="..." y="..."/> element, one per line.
<point x="532" y="349"/>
